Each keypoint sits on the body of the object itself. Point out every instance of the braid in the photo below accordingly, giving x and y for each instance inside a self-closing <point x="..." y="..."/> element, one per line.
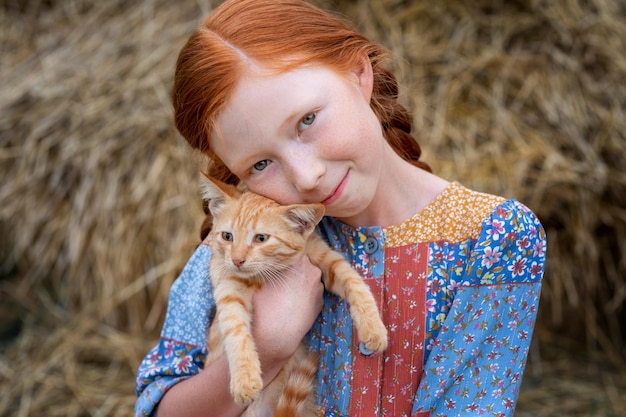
<point x="394" y="117"/>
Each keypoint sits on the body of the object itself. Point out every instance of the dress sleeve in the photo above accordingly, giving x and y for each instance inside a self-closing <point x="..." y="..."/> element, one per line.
<point x="476" y="362"/>
<point x="181" y="350"/>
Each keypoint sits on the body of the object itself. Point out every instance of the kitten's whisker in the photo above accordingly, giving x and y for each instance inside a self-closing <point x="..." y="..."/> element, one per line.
<point x="273" y="277"/>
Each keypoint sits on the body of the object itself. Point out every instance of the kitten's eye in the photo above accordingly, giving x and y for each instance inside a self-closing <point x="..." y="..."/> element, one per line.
<point x="260" y="166"/>
<point x="260" y="238"/>
<point x="306" y="121"/>
<point x="227" y="236"/>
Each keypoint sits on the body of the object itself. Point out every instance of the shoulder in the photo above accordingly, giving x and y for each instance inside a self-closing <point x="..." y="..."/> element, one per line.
<point x="510" y="220"/>
<point x="463" y="214"/>
<point x="511" y="246"/>
<point x="465" y="210"/>
<point x="456" y="214"/>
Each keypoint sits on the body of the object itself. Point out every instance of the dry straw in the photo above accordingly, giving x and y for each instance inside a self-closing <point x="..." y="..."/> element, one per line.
<point x="99" y="205"/>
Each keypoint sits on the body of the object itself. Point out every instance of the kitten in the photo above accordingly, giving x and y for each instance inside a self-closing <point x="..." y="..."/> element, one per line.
<point x="253" y="240"/>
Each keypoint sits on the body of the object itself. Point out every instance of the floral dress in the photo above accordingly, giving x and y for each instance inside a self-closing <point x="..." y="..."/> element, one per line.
<point x="458" y="287"/>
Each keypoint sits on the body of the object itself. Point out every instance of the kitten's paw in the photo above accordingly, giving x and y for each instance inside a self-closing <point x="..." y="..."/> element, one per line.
<point x="374" y="335"/>
<point x="246" y="390"/>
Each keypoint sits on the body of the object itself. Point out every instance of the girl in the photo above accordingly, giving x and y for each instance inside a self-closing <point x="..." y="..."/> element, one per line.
<point x="297" y="106"/>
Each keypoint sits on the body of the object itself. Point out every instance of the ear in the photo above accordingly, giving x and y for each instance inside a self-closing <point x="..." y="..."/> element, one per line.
<point x="365" y="77"/>
<point x="216" y="193"/>
<point x="304" y="217"/>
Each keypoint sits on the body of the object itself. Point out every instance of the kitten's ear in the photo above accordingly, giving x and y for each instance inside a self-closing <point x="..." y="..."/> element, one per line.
<point x="304" y="217"/>
<point x="216" y="193"/>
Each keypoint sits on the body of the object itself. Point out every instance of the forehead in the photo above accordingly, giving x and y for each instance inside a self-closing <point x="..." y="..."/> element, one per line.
<point x="261" y="94"/>
<point x="262" y="105"/>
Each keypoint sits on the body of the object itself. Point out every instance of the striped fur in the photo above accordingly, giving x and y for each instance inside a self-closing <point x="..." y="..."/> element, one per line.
<point x="253" y="241"/>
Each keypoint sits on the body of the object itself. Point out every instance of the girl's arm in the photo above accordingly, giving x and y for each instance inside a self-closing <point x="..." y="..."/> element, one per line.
<point x="476" y="362"/>
<point x="204" y="394"/>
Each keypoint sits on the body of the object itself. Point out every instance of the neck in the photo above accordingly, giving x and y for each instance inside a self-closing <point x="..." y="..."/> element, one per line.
<point x="403" y="191"/>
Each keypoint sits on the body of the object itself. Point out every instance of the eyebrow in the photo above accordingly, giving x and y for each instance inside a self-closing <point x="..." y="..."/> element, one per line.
<point x="307" y="103"/>
<point x="242" y="167"/>
<point x="290" y="119"/>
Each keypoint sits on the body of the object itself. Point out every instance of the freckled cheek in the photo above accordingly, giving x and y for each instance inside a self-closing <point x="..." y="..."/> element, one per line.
<point x="336" y="152"/>
<point x="336" y="144"/>
<point x="351" y="148"/>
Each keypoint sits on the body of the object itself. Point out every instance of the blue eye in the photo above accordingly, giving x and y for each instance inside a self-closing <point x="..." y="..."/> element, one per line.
<point x="306" y="121"/>
<point x="260" y="166"/>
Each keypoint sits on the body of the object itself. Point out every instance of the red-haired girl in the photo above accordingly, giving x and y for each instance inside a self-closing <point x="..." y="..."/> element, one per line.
<point x="299" y="107"/>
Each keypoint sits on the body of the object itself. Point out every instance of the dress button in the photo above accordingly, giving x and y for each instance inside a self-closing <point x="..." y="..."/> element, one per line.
<point x="365" y="351"/>
<point x="371" y="245"/>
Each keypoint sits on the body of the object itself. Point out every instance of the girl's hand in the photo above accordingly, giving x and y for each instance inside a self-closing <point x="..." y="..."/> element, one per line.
<point x="285" y="311"/>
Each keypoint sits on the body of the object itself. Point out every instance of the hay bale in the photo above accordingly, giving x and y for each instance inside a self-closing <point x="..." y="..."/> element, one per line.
<point x="98" y="190"/>
<point x="99" y="206"/>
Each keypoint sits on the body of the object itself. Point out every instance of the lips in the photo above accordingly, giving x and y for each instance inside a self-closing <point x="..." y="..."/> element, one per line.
<point x="337" y="191"/>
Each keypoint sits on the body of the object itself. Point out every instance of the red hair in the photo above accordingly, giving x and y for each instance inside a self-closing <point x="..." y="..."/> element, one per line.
<point x="278" y="35"/>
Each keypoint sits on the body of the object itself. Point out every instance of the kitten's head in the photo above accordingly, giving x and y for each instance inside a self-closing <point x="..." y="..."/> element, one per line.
<point x="253" y="236"/>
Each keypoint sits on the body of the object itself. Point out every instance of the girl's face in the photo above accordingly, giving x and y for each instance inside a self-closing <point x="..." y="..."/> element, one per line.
<point x="304" y="136"/>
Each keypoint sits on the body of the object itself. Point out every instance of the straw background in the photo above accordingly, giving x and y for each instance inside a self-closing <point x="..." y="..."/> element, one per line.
<point x="99" y="206"/>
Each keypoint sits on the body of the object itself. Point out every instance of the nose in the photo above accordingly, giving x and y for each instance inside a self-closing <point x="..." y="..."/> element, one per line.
<point x="239" y="255"/>
<point x="306" y="171"/>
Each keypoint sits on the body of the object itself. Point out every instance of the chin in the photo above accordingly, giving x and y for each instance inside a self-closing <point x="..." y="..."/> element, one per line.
<point x="342" y="214"/>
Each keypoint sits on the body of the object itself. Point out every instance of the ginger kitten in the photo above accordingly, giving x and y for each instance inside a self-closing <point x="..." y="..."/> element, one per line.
<point x="253" y="240"/>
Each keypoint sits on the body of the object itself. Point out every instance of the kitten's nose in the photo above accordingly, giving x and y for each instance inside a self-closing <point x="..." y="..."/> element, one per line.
<point x="239" y="262"/>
